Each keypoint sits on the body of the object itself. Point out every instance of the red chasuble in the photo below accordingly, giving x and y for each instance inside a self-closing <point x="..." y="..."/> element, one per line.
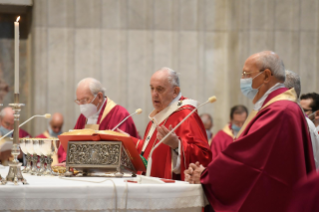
<point x="221" y="140"/>
<point x="305" y="197"/>
<point x="113" y="118"/>
<point x="194" y="145"/>
<point x="258" y="171"/>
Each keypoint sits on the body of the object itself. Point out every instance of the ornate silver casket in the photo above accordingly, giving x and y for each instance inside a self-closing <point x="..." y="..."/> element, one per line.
<point x="89" y="157"/>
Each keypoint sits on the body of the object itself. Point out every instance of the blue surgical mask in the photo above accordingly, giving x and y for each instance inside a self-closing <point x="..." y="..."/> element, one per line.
<point x="246" y="87"/>
<point x="235" y="127"/>
<point x="54" y="134"/>
<point x="4" y="131"/>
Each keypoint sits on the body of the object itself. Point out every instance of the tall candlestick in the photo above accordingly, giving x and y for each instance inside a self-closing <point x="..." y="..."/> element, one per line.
<point x="16" y="55"/>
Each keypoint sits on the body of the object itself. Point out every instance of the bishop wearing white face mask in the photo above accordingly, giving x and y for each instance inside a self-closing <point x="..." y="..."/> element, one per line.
<point x="272" y="151"/>
<point x="98" y="112"/>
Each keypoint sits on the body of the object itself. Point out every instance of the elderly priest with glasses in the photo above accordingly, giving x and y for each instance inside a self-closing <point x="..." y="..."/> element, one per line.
<point x="98" y="112"/>
<point x="273" y="151"/>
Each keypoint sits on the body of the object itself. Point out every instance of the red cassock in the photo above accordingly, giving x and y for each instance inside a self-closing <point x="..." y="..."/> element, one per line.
<point x="258" y="171"/>
<point x="113" y="117"/>
<point x="305" y="197"/>
<point x="221" y="141"/>
<point x="194" y="145"/>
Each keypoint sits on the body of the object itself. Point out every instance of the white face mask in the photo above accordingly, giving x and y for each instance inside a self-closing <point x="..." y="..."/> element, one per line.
<point x="88" y="109"/>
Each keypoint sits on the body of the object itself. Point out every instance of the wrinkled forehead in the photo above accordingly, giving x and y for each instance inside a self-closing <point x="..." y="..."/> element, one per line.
<point x="83" y="91"/>
<point x="252" y="63"/>
<point x="160" y="78"/>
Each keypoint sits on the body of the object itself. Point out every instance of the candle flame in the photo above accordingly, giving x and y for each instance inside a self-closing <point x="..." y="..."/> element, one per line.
<point x="18" y="19"/>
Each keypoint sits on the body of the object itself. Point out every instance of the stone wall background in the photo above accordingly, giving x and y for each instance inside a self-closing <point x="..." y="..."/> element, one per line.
<point x="122" y="42"/>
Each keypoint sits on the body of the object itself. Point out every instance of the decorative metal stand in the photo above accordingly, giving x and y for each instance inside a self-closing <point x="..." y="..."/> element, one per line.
<point x="15" y="174"/>
<point x="98" y="156"/>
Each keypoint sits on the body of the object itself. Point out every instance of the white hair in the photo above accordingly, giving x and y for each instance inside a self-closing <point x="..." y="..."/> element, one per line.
<point x="293" y="81"/>
<point x="94" y="85"/>
<point x="173" y="76"/>
<point x="270" y="60"/>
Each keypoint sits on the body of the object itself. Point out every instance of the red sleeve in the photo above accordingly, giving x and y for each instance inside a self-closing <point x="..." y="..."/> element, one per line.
<point x="193" y="139"/>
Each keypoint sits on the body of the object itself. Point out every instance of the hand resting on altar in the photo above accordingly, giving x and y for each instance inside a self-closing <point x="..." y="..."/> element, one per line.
<point x="193" y="173"/>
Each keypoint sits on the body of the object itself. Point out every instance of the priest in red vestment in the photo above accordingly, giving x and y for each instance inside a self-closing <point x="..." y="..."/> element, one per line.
<point x="98" y="111"/>
<point x="187" y="144"/>
<point x="224" y="137"/>
<point x="273" y="150"/>
<point x="55" y="127"/>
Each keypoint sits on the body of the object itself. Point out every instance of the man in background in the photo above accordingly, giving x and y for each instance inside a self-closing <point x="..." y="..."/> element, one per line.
<point x="54" y="128"/>
<point x="310" y="104"/>
<point x="224" y="137"/>
<point x="293" y="81"/>
<point x="208" y="124"/>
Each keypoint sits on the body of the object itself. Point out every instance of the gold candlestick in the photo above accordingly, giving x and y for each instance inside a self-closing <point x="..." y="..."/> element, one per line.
<point x="15" y="174"/>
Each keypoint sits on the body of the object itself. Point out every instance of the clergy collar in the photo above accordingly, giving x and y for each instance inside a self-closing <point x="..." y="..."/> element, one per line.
<point x="260" y="102"/>
<point x="159" y="117"/>
<point x="93" y="119"/>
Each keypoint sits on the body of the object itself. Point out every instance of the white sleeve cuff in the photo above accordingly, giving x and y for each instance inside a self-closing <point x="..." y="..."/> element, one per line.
<point x="177" y="159"/>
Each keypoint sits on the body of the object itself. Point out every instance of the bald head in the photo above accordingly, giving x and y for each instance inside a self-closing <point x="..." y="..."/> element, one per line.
<point x="164" y="85"/>
<point x="270" y="60"/>
<point x="207" y="120"/>
<point x="56" y="122"/>
<point x="7" y="118"/>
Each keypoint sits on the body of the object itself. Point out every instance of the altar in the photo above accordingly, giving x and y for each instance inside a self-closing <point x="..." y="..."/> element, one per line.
<point x="53" y="193"/>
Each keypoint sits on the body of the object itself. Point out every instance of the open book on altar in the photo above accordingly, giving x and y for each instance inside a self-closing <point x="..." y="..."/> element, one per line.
<point x="6" y="144"/>
<point x="104" y="135"/>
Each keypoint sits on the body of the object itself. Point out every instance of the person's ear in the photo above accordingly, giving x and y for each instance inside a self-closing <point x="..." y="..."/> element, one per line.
<point x="317" y="115"/>
<point x="100" y="96"/>
<point x="176" y="91"/>
<point x="267" y="76"/>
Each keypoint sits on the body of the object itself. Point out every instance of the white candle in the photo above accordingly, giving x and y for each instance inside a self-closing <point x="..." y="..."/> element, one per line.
<point x="16" y="55"/>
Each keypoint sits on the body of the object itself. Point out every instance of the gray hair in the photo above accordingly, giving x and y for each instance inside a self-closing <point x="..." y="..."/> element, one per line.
<point x="173" y="76"/>
<point x="293" y="81"/>
<point x="2" y="113"/>
<point x="270" y="60"/>
<point x="94" y="85"/>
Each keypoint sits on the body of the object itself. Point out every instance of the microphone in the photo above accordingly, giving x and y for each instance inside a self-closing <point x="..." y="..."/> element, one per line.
<point x="211" y="99"/>
<point x="47" y="116"/>
<point x="138" y="111"/>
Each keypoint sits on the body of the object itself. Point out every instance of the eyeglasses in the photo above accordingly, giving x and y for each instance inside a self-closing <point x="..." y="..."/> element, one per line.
<point x="83" y="100"/>
<point x="248" y="74"/>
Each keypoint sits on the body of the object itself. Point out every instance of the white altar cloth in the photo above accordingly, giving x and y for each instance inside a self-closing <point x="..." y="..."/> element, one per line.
<point x="55" y="194"/>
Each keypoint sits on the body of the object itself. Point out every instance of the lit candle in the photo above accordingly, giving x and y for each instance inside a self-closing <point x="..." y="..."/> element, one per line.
<point x="16" y="55"/>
